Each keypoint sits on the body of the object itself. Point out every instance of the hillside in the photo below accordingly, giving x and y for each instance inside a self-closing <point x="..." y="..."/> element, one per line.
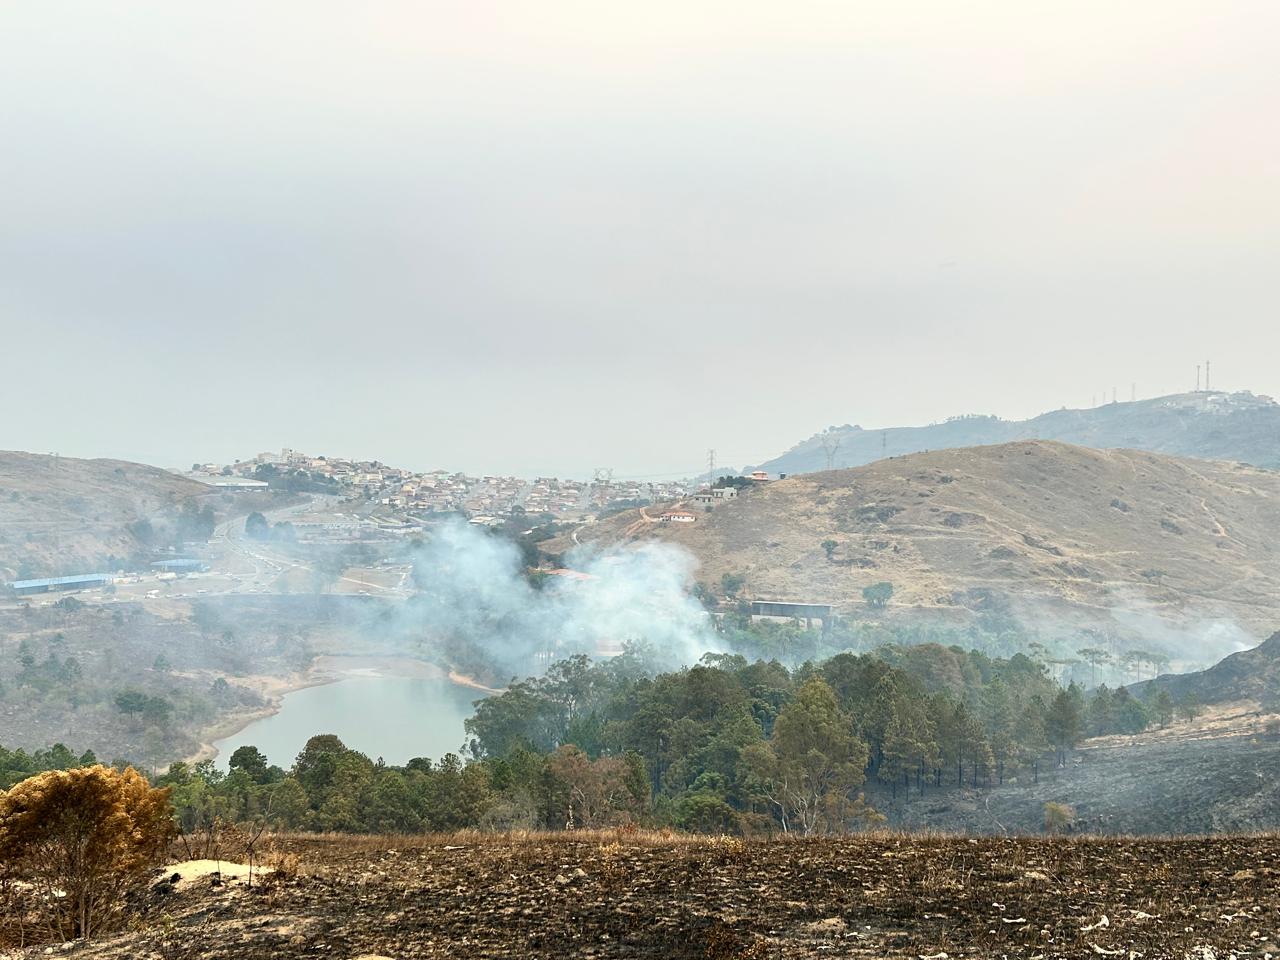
<point x="1061" y="537"/>
<point x="1250" y="675"/>
<point x="60" y="515"/>
<point x="1215" y="426"/>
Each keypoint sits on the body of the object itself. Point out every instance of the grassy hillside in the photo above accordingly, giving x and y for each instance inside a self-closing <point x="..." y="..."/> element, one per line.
<point x="1058" y="536"/>
<point x="1220" y="426"/>
<point x="60" y="515"/>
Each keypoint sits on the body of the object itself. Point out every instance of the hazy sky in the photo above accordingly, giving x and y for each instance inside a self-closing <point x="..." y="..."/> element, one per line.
<point x="548" y="236"/>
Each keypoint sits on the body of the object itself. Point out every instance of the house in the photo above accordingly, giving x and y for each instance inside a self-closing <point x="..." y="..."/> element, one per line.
<point x="724" y="493"/>
<point x="678" y="516"/>
<point x="759" y="476"/>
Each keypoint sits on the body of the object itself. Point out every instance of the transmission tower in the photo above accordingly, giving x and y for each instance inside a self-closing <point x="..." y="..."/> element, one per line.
<point x="830" y="444"/>
<point x="602" y="480"/>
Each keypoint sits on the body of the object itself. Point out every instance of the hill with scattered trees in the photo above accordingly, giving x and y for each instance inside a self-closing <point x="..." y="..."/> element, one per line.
<point x="1083" y="547"/>
<point x="1210" y="425"/>
<point x="61" y="515"/>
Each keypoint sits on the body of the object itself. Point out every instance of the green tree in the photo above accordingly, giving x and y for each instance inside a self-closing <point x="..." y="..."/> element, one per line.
<point x="878" y="594"/>
<point x="1064" y="723"/>
<point x="288" y="804"/>
<point x="809" y="769"/>
<point x="1130" y="714"/>
<point x="256" y="527"/>
<point x="390" y="806"/>
<point x="1189" y="706"/>
<point x="131" y="702"/>
<point x="1163" y="707"/>
<point x="251" y="760"/>
<point x="1096" y="657"/>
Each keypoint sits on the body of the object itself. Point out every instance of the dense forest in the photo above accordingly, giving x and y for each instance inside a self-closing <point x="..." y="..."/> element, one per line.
<point x="729" y="745"/>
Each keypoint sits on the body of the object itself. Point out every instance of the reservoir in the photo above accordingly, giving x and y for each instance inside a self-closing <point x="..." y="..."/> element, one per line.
<point x="386" y="710"/>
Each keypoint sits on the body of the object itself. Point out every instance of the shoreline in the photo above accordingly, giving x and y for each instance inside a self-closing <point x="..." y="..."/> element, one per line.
<point x="324" y="669"/>
<point x="462" y="680"/>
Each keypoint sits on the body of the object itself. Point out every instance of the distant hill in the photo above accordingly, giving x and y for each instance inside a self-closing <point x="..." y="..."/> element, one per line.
<point x="1214" y="426"/>
<point x="1062" y="537"/>
<point x="60" y="515"/>
<point x="1247" y="675"/>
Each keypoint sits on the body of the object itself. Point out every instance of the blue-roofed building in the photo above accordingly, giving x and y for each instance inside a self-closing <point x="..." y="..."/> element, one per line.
<point x="84" y="581"/>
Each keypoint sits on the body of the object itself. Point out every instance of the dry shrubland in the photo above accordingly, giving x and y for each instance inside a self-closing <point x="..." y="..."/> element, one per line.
<point x="73" y="845"/>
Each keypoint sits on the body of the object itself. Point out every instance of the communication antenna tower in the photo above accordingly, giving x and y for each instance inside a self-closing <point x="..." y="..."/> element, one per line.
<point x="1197" y="378"/>
<point x="711" y="469"/>
<point x="1206" y="376"/>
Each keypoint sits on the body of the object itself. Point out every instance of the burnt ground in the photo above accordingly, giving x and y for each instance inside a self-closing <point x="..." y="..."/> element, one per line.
<point x="1220" y="774"/>
<point x="619" y="895"/>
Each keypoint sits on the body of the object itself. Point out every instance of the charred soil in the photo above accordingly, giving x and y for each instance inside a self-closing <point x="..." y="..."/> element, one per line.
<point x="620" y="895"/>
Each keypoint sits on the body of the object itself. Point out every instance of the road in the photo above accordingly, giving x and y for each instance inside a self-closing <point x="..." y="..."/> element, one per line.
<point x="267" y="566"/>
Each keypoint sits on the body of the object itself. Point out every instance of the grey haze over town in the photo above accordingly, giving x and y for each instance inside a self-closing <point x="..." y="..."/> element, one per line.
<point x="539" y="240"/>
<point x="696" y="480"/>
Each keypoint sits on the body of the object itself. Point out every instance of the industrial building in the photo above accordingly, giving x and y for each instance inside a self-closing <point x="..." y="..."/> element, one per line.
<point x="84" y="581"/>
<point x="234" y="483"/>
<point x="181" y="565"/>
<point x="787" y="609"/>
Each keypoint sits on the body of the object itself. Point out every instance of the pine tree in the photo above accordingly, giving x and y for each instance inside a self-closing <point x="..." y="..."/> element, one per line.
<point x="1063" y="723"/>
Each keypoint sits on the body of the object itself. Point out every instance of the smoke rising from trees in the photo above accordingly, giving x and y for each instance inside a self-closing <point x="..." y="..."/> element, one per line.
<point x="478" y="601"/>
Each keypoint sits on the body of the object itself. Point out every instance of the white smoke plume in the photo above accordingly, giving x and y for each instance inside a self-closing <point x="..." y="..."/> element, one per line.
<point x="476" y="600"/>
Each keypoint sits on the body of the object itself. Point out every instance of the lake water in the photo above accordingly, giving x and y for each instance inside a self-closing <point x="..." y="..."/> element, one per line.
<point x="396" y="718"/>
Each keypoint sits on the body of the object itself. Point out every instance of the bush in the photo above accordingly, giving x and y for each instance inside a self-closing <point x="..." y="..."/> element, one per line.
<point x="1058" y="817"/>
<point x="80" y="840"/>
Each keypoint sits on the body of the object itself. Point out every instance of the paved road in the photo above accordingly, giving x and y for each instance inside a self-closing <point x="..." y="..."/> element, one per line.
<point x="268" y="566"/>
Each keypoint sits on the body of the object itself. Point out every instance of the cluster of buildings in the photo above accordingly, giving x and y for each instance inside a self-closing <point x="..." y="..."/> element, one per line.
<point x="439" y="491"/>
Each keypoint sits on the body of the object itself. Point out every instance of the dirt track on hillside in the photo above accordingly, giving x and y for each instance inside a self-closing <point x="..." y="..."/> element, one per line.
<point x="608" y="896"/>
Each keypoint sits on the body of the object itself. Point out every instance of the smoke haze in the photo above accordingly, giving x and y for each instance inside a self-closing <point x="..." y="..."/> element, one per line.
<point x="475" y="592"/>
